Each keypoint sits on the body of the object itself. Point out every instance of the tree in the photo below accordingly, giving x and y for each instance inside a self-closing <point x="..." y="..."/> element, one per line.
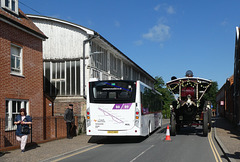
<point x="211" y="93"/>
<point x="167" y="97"/>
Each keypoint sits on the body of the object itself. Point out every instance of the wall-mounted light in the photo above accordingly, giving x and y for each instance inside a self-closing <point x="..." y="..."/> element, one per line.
<point x="96" y="52"/>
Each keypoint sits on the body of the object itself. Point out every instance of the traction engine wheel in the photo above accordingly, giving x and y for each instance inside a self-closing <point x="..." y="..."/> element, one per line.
<point x="209" y="119"/>
<point x="205" y="124"/>
<point x="173" y="125"/>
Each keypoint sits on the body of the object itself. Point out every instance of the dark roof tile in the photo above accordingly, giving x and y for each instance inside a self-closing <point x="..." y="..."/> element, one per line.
<point x="21" y="20"/>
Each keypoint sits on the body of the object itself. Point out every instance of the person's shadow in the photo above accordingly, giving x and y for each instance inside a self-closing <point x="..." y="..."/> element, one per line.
<point x="31" y="146"/>
<point x="2" y="153"/>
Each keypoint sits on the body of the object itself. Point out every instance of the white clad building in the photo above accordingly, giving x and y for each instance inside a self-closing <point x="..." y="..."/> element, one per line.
<point x="68" y="46"/>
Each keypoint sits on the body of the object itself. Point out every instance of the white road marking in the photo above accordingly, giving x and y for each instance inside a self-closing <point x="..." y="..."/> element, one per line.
<point x="142" y="153"/>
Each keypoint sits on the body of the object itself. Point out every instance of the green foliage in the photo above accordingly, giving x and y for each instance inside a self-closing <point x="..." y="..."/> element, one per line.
<point x="211" y="93"/>
<point x="167" y="97"/>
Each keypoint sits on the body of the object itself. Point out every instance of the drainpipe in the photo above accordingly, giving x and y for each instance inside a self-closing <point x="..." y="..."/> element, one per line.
<point x="84" y="43"/>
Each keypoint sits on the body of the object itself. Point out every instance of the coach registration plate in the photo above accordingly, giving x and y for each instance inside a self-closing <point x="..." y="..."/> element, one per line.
<point x="113" y="132"/>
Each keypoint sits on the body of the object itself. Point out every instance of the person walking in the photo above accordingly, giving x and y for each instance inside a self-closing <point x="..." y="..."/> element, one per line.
<point x="69" y="118"/>
<point x="22" y="121"/>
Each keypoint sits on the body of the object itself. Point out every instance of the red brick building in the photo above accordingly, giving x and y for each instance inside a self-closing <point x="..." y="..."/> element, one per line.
<point x="225" y="100"/>
<point x="228" y="97"/>
<point x="21" y="70"/>
<point x="236" y="94"/>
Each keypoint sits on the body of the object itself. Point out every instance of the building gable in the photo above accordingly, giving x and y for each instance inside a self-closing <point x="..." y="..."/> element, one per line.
<point x="20" y="21"/>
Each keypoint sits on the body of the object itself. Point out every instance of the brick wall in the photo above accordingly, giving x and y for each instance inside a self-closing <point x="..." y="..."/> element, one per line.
<point x="48" y="106"/>
<point x="30" y="86"/>
<point x="60" y="105"/>
<point x="229" y="100"/>
<point x="55" y="127"/>
<point x="79" y="110"/>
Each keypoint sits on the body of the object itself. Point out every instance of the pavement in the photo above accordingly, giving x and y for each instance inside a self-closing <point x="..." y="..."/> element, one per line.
<point x="226" y="135"/>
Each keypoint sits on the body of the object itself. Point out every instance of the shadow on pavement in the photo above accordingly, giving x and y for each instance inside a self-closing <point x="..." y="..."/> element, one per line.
<point x="3" y="153"/>
<point x="115" y="140"/>
<point x="191" y="131"/>
<point x="229" y="137"/>
<point x="31" y="146"/>
<point x="225" y="124"/>
<point x="123" y="139"/>
<point x="161" y="130"/>
<point x="236" y="155"/>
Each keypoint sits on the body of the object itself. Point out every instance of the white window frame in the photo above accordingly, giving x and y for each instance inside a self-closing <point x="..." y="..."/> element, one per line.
<point x="10" y="5"/>
<point x="126" y="71"/>
<point x="113" y="61"/>
<point x="63" y="78"/>
<point x="10" y="113"/>
<point x="95" y="73"/>
<point x="99" y="60"/>
<point x="15" y="56"/>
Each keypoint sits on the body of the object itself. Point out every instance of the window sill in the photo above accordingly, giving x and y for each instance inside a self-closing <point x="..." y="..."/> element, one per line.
<point x="9" y="10"/>
<point x="18" y="75"/>
<point x="10" y="129"/>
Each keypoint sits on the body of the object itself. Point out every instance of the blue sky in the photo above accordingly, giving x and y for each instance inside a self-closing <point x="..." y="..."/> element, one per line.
<point x="164" y="37"/>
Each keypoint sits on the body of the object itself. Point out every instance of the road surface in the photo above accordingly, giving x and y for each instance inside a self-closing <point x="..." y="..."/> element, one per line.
<point x="187" y="146"/>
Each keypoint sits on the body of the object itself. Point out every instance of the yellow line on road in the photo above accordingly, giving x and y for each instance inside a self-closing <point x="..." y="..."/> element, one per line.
<point x="214" y="150"/>
<point x="76" y="153"/>
<point x="212" y="147"/>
